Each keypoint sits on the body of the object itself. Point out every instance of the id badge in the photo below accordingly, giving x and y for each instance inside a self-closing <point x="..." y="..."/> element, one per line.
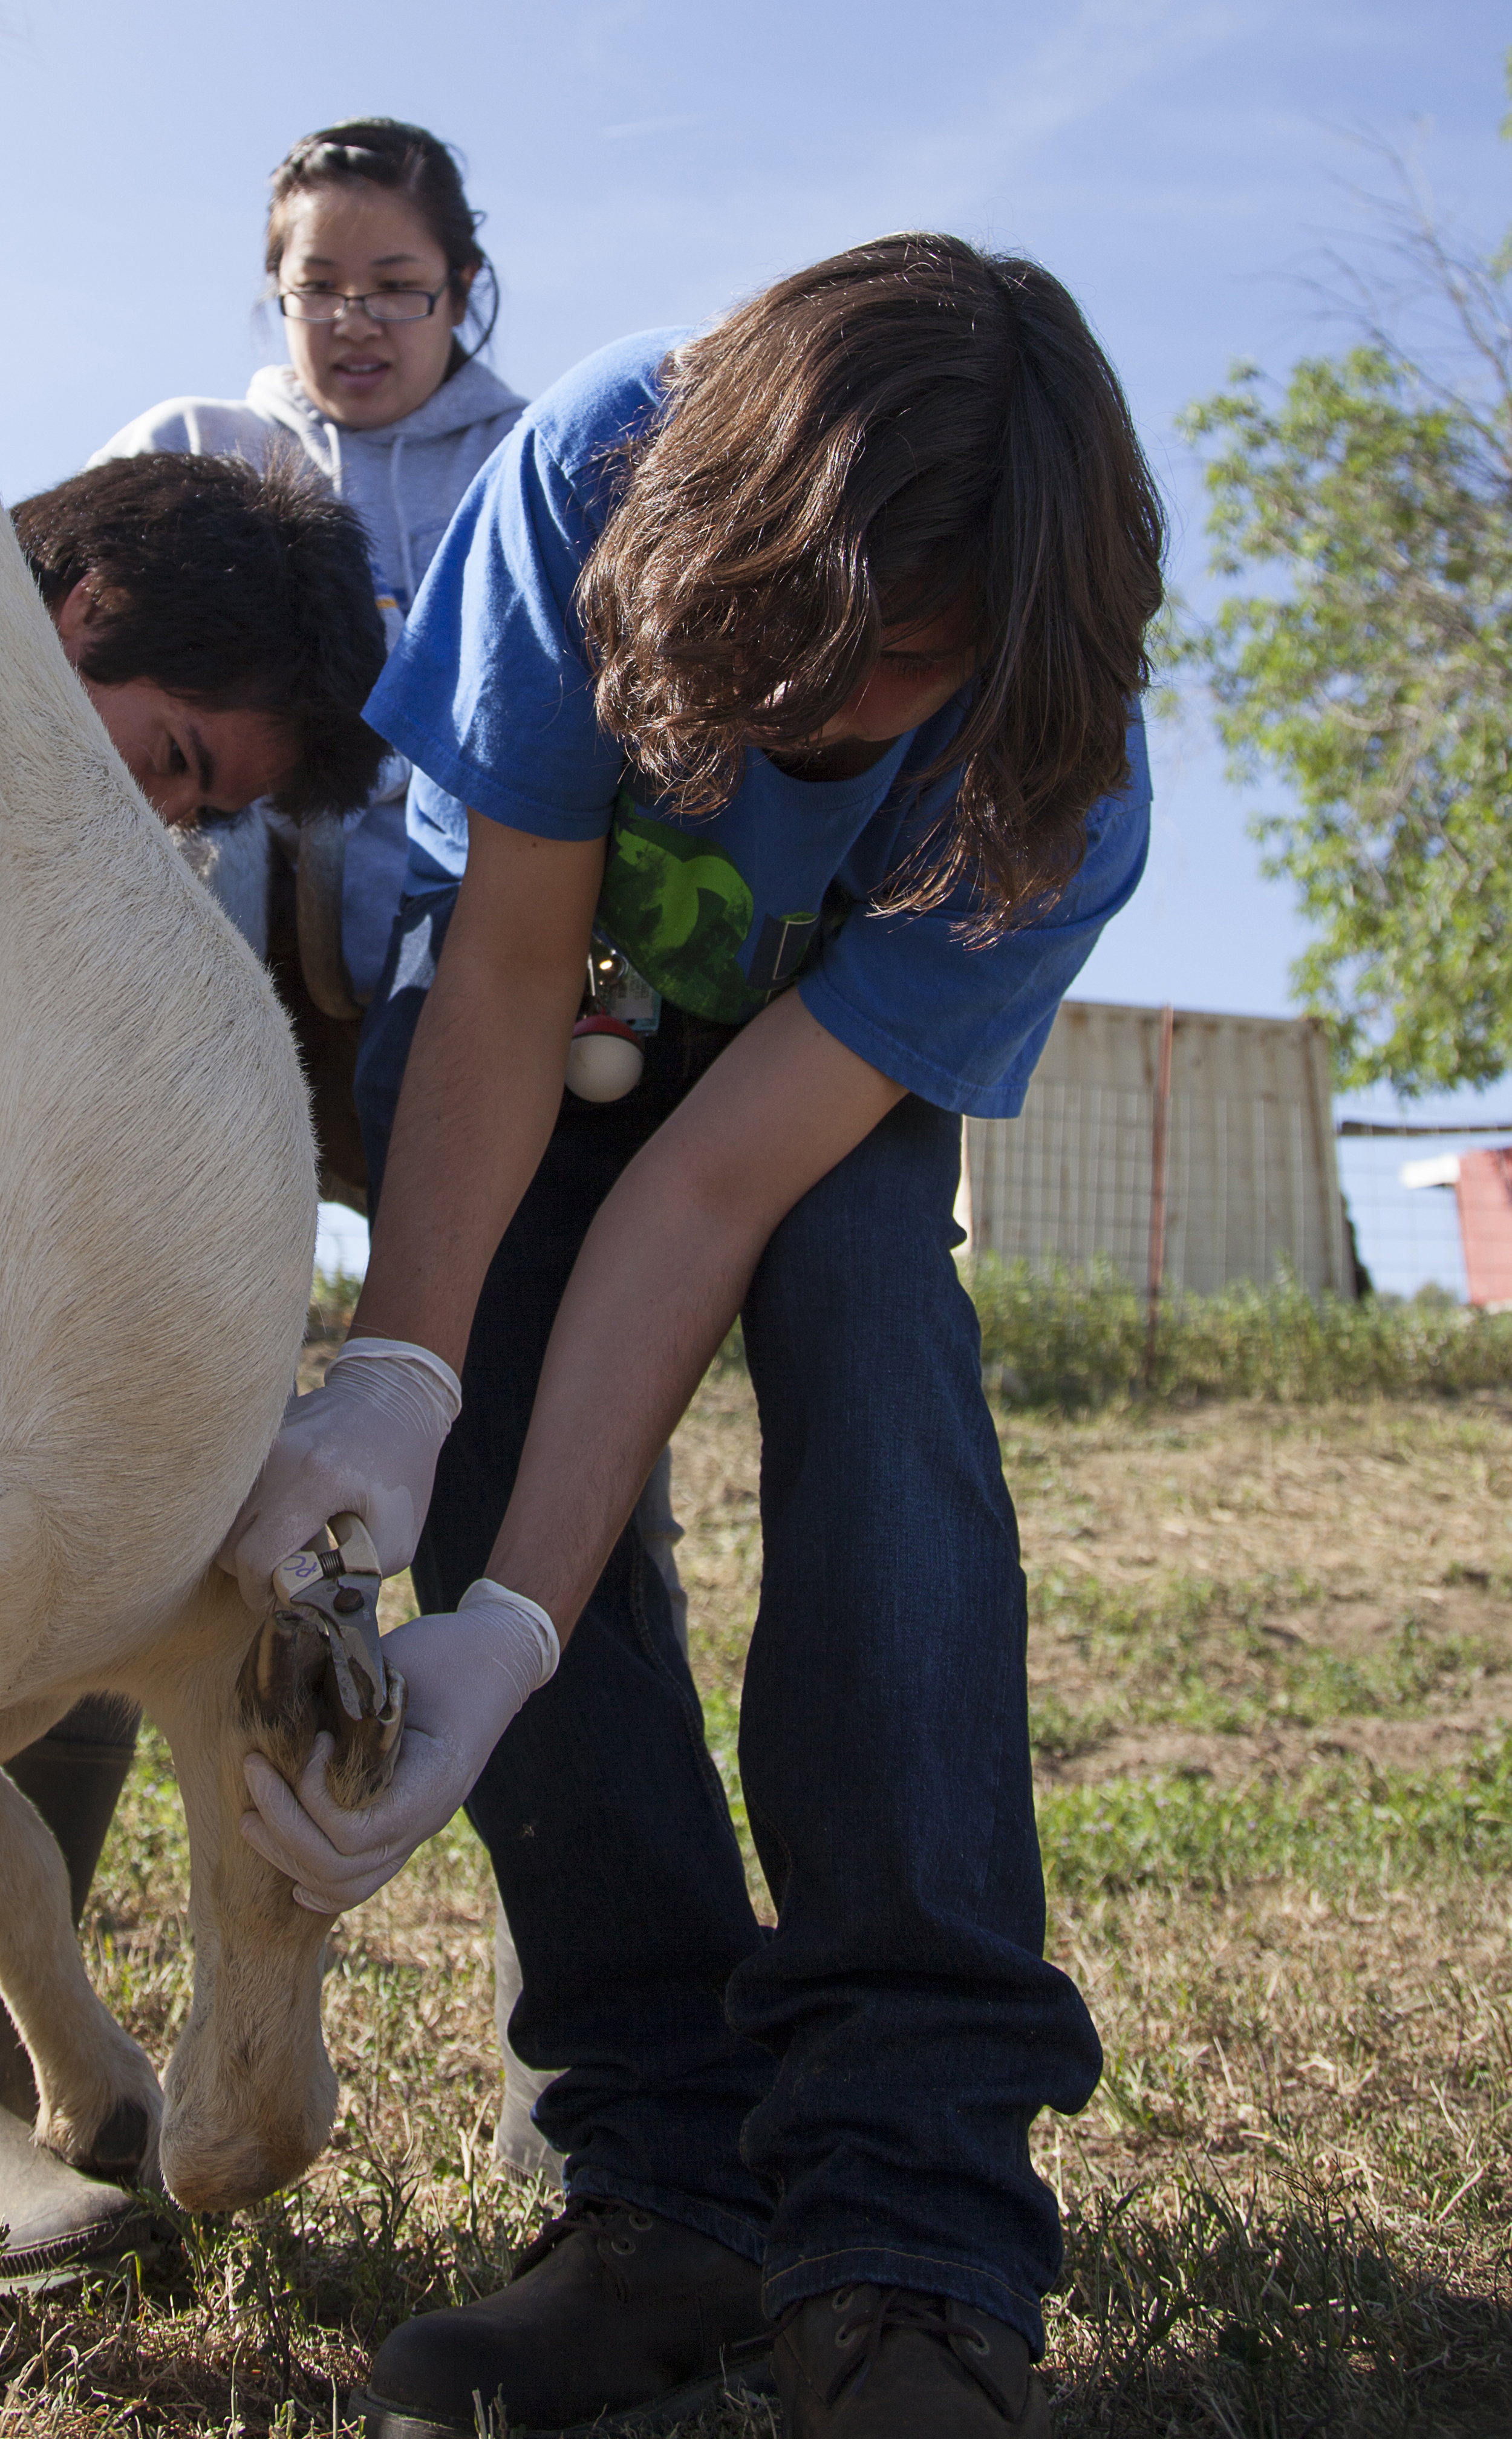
<point x="620" y="992"/>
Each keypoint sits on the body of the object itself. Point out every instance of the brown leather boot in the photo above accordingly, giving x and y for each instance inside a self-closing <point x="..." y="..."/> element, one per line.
<point x="613" y="2321"/>
<point x="878" y="2362"/>
<point x="55" y="2218"/>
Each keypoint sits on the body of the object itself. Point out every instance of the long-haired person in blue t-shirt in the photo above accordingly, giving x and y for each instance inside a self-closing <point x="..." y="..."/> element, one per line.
<point x="774" y="698"/>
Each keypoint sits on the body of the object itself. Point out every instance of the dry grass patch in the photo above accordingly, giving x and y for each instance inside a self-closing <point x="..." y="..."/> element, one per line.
<point x="1270" y="1653"/>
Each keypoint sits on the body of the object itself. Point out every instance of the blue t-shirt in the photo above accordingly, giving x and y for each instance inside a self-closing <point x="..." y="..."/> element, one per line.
<point x="488" y="693"/>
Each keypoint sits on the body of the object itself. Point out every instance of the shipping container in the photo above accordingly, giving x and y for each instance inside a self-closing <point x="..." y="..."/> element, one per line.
<point x="1225" y="1173"/>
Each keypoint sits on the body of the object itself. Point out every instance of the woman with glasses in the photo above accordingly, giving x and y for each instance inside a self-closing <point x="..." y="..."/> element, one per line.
<point x="387" y="299"/>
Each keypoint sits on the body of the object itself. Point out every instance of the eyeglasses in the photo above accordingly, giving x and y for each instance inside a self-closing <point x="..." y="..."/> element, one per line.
<point x="387" y="305"/>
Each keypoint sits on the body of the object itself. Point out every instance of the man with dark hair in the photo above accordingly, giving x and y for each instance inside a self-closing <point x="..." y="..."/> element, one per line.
<point x="224" y="624"/>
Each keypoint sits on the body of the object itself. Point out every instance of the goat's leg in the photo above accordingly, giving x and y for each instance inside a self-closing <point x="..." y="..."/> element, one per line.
<point x="100" y="2105"/>
<point x="250" y="2091"/>
<point x="74" y="1775"/>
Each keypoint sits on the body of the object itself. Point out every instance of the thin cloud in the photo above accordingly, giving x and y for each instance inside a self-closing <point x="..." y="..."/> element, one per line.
<point x="654" y="126"/>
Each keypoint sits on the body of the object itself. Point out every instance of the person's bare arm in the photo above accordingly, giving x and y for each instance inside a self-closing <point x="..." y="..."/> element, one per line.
<point x="483" y="1085"/>
<point x="661" y="1277"/>
<point x="479" y="1100"/>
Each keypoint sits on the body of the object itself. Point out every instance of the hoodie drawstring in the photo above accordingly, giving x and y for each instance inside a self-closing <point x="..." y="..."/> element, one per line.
<point x="396" y="447"/>
<point x="406" y="555"/>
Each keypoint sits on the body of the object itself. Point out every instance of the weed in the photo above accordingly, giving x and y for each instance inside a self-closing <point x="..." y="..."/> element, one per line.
<point x="1074" y="1341"/>
<point x="1343" y="1825"/>
<point x="1191" y="2304"/>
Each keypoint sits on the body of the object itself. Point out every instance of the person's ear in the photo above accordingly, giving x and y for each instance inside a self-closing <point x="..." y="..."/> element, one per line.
<point x="83" y="611"/>
<point x="75" y="614"/>
<point x="462" y="279"/>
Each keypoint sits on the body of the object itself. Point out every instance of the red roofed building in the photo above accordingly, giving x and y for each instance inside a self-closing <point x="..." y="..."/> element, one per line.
<point x="1484" y="1193"/>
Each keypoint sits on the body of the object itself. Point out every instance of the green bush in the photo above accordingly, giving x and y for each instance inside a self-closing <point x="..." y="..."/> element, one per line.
<point x="333" y="1301"/>
<point x="1075" y="1339"/>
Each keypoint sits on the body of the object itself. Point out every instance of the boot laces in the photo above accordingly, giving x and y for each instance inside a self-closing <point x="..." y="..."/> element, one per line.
<point x="607" y="2219"/>
<point x="923" y="2316"/>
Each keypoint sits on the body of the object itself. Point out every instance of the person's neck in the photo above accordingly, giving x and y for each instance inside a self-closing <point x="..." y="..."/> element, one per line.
<point x="846" y="758"/>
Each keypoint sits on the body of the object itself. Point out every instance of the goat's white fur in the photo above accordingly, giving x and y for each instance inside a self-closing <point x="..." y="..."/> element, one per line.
<point x="157" y="1217"/>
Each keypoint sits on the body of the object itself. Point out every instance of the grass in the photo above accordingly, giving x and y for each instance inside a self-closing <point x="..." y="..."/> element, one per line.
<point x="1078" y="1341"/>
<point x="1206" y="1655"/>
<point x="1343" y="1828"/>
<point x="1270" y="1669"/>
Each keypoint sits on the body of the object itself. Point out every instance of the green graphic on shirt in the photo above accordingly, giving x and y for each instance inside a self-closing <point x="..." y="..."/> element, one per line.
<point x="680" y="911"/>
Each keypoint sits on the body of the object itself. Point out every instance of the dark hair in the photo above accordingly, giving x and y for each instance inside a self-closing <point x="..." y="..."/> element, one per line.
<point x="230" y="588"/>
<point x="903" y="428"/>
<point x="389" y="152"/>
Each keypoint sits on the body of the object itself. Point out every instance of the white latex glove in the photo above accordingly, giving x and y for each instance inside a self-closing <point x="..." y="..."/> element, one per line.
<point x="368" y="1443"/>
<point x="468" y="1675"/>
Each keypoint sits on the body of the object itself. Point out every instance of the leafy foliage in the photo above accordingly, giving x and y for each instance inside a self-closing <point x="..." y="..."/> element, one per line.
<point x="1371" y="667"/>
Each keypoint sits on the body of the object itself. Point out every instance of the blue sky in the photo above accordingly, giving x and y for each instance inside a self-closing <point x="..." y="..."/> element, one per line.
<point x="1179" y="163"/>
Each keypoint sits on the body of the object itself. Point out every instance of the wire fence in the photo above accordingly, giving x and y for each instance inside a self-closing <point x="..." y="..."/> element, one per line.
<point x="1185" y="1148"/>
<point x="1408" y="1236"/>
<point x="1241" y="1198"/>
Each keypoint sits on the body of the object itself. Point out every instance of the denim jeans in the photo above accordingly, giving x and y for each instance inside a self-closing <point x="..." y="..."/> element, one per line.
<point x="848" y="2097"/>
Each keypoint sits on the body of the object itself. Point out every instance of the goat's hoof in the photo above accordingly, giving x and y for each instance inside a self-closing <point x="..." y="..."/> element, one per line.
<point x="288" y="1692"/>
<point x="119" y="2148"/>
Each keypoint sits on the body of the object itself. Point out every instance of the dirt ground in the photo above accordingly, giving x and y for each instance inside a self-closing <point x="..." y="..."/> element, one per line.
<point x="1230" y="1597"/>
<point x="1288" y="2206"/>
<point x="1349" y="1530"/>
<point x="1338" y="1534"/>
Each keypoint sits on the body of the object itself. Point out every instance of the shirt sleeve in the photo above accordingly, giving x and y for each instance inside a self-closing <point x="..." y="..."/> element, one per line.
<point x="962" y="1026"/>
<point x="488" y="690"/>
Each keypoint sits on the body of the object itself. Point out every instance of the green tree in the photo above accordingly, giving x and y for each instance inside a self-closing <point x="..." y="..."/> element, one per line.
<point x="1372" y="497"/>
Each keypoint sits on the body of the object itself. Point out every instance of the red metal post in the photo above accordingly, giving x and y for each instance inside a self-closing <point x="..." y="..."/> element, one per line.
<point x="1159" y="1168"/>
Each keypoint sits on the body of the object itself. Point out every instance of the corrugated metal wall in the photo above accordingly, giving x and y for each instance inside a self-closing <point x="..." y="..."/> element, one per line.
<point x="1250" y="1175"/>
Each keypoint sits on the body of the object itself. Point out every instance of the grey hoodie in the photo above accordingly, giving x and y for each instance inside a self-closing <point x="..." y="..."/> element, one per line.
<point x="404" y="481"/>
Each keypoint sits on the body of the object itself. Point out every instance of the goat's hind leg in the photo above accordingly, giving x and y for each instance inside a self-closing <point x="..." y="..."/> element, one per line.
<point x="100" y="2104"/>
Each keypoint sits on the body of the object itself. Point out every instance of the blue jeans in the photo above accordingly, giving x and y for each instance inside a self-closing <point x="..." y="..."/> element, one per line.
<point x="846" y="2098"/>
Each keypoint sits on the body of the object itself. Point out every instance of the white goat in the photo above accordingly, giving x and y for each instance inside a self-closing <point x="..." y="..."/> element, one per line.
<point x="157" y="1217"/>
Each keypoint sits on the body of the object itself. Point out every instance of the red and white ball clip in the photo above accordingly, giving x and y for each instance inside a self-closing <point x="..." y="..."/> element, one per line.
<point x="606" y="1059"/>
